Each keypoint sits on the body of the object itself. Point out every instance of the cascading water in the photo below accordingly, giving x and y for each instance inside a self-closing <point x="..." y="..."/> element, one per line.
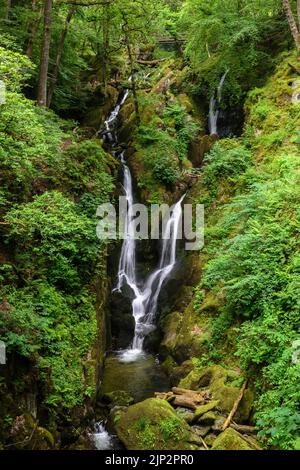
<point x="101" y="438"/>
<point x="145" y="294"/>
<point x="214" y="106"/>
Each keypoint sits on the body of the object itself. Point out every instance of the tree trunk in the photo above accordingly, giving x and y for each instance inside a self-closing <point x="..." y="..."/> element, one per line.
<point x="292" y="23"/>
<point x="33" y="29"/>
<point x="7" y="9"/>
<point x="132" y="71"/>
<point x="298" y="11"/>
<point x="60" y="47"/>
<point x="105" y="46"/>
<point x="45" y="50"/>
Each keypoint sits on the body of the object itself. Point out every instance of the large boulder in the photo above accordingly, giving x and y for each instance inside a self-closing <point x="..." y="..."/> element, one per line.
<point x="153" y="424"/>
<point x="232" y="440"/>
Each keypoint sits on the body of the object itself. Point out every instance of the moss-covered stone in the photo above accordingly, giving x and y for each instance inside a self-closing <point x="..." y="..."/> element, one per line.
<point x="199" y="378"/>
<point x="208" y="419"/>
<point x="153" y="424"/>
<point x="210" y="439"/>
<point x="202" y="409"/>
<point x="185" y="414"/>
<point x="231" y="440"/>
<point x="119" y="398"/>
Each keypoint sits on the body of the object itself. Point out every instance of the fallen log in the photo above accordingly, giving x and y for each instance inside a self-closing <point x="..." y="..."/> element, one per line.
<point x="243" y="428"/>
<point x="185" y="402"/>
<point x="151" y="63"/>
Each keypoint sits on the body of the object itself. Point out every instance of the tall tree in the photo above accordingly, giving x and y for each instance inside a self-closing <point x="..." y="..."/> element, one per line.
<point x="295" y="30"/>
<point x="126" y="31"/>
<point x="7" y="10"/>
<point x="59" y="51"/>
<point x="33" y="27"/>
<point x="45" y="51"/>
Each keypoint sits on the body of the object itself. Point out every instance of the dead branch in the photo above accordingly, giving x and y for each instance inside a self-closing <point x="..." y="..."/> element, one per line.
<point x="235" y="406"/>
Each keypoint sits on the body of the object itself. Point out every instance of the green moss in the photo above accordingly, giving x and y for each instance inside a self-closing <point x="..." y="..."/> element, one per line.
<point x="231" y="440"/>
<point x="118" y="397"/>
<point x="153" y="424"/>
<point x="201" y="410"/>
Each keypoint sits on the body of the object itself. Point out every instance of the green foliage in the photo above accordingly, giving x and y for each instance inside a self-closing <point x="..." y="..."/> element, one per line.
<point x="15" y="69"/>
<point x="252" y="264"/>
<point x="165" y="170"/>
<point x="164" y="142"/>
<point x="51" y="185"/>
<point x="169" y="428"/>
<point x="185" y="128"/>
<point x="235" y="36"/>
<point x="53" y="239"/>
<point x="53" y="330"/>
<point x="146" y="434"/>
<point x="225" y="161"/>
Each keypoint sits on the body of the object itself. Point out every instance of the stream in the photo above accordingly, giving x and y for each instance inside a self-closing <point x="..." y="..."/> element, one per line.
<point x="132" y="369"/>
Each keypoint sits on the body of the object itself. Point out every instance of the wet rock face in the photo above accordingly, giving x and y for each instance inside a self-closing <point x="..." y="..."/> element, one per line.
<point x="230" y="122"/>
<point x="199" y="147"/>
<point x="122" y="321"/>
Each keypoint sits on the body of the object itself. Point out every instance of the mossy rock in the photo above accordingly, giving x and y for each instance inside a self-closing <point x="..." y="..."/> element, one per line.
<point x="185" y="414"/>
<point x="119" y="398"/>
<point x="219" y="382"/>
<point x="170" y="328"/>
<point x="186" y="102"/>
<point x="153" y="424"/>
<point x="210" y="439"/>
<point x="228" y="395"/>
<point x="192" y="335"/>
<point x="202" y="409"/>
<point x="199" y="378"/>
<point x="231" y="440"/>
<point x="208" y="419"/>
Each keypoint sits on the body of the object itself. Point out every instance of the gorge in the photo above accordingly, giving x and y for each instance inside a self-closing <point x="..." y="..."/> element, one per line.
<point x="135" y="343"/>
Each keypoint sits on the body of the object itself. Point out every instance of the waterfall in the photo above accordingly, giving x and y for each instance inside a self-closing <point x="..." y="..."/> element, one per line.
<point x="101" y="438"/>
<point x="214" y="106"/>
<point x="145" y="294"/>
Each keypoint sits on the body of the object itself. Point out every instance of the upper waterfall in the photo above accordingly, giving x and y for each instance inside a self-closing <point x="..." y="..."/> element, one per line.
<point x="214" y="106"/>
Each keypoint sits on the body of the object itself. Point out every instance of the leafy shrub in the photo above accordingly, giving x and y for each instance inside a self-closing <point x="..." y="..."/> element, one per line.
<point x="55" y="332"/>
<point x="53" y="240"/>
<point x="165" y="171"/>
<point x="227" y="162"/>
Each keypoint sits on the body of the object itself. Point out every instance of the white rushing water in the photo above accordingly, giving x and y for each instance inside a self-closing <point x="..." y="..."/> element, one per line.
<point x="214" y="106"/>
<point x="101" y="438"/>
<point x="145" y="294"/>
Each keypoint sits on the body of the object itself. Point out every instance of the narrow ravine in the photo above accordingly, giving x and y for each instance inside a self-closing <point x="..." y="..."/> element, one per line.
<point x="145" y="292"/>
<point x="133" y="369"/>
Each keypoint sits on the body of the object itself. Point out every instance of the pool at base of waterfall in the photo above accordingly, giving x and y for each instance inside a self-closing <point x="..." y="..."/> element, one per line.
<point x="135" y="372"/>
